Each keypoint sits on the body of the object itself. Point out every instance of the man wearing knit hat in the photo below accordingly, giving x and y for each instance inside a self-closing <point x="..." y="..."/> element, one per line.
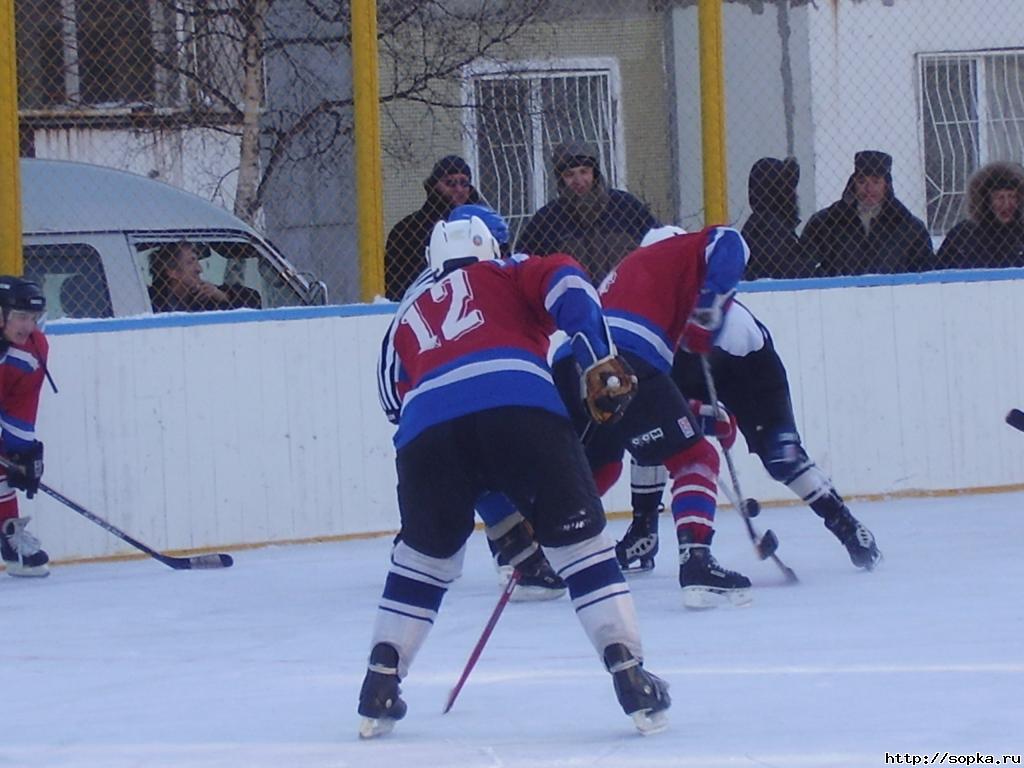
<point x="596" y="225"/>
<point x="449" y="185"/>
<point x="868" y="231"/>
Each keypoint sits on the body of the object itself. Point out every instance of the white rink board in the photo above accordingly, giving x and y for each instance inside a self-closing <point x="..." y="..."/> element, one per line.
<point x="251" y="427"/>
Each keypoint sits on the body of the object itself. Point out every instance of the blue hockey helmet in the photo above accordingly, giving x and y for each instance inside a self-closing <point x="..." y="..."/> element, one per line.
<point x="494" y="220"/>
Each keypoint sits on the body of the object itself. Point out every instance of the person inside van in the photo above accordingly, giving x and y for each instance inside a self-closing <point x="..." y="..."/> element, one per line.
<point x="178" y="285"/>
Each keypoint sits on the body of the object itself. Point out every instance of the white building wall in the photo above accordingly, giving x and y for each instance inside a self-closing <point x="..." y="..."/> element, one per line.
<point x="201" y="161"/>
<point x="191" y="432"/>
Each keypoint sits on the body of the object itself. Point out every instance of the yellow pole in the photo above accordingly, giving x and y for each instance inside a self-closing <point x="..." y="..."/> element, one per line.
<point x="10" y="180"/>
<point x="369" y="178"/>
<point x="712" y="111"/>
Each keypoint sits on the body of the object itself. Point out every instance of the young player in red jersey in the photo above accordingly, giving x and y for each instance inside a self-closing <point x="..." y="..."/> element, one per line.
<point x="23" y="351"/>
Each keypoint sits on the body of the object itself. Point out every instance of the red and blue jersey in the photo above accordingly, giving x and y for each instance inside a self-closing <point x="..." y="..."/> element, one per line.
<point x="649" y="296"/>
<point x="477" y="338"/>
<point x="22" y="369"/>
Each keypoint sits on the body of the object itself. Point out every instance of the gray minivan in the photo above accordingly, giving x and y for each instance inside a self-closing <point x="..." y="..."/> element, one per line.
<point x="88" y="232"/>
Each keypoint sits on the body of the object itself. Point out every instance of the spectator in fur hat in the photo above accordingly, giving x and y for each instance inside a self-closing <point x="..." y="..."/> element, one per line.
<point x="868" y="231"/>
<point x="992" y="235"/>
<point x="770" y="231"/>
<point x="596" y="225"/>
<point x="448" y="186"/>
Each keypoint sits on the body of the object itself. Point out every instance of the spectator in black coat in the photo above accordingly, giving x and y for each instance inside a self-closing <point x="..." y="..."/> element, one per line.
<point x="992" y="235"/>
<point x="596" y="225"/>
<point x="448" y="186"/>
<point x="868" y="231"/>
<point x="770" y="231"/>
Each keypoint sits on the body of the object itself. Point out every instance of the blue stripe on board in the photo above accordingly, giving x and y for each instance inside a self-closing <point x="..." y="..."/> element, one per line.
<point x="64" y="327"/>
<point x="67" y="327"/>
<point x="870" y="281"/>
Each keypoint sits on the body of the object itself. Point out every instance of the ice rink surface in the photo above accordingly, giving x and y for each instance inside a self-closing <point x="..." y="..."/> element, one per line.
<point x="133" y="664"/>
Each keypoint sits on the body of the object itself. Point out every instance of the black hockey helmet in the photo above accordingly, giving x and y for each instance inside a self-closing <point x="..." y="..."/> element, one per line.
<point x="19" y="293"/>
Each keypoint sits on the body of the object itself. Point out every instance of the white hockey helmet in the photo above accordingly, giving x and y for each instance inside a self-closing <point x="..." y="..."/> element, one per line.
<point x="658" y="234"/>
<point x="458" y="240"/>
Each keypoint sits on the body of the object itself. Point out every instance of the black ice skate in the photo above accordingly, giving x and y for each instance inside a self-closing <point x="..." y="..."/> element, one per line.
<point x="643" y="696"/>
<point x="537" y="580"/>
<point x="638" y="547"/>
<point x="20" y="550"/>
<point x="380" y="701"/>
<point x="707" y="584"/>
<point x="858" y="540"/>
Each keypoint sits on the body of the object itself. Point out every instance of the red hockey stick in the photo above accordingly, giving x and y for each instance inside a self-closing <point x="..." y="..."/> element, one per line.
<point x="479" y="647"/>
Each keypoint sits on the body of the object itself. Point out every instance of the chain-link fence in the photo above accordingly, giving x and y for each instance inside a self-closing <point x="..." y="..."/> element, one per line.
<point x="862" y="135"/>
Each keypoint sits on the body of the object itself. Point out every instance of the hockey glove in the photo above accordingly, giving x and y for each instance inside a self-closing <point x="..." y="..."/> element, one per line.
<point x="608" y="386"/>
<point x="28" y="469"/>
<point x="724" y="427"/>
<point x="705" y="322"/>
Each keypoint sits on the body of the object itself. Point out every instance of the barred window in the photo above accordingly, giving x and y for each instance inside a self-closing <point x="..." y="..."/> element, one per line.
<point x="972" y="113"/>
<point x="520" y="112"/>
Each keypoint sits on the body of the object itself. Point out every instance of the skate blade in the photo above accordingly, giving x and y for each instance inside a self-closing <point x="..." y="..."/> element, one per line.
<point x="641" y="567"/>
<point x="523" y="594"/>
<point x="372" y="727"/>
<point x="649" y="723"/>
<point x="701" y="598"/>
<point x="27" y="571"/>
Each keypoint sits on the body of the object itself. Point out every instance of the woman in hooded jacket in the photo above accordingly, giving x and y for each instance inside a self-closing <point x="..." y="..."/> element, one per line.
<point x="770" y="231"/>
<point x="992" y="235"/>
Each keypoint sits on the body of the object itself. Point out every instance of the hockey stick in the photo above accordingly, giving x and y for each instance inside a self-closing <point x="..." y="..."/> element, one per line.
<point x="1015" y="418"/>
<point x="765" y="545"/>
<point x="479" y="647"/>
<point x="177" y="563"/>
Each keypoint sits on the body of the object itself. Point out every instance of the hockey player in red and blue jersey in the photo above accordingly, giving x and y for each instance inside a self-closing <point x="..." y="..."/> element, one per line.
<point x="23" y="351"/>
<point x="660" y="297"/>
<point x="464" y="374"/>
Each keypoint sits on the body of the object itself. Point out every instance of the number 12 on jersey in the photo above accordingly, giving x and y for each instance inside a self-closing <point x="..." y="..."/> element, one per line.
<point x="458" y="320"/>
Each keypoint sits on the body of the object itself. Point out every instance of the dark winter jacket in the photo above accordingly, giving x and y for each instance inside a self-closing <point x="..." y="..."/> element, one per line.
<point x="598" y="228"/>
<point x="835" y="241"/>
<point x="981" y="240"/>
<point x="405" y="252"/>
<point x="771" y="229"/>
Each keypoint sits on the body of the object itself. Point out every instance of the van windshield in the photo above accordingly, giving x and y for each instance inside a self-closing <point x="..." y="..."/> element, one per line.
<point x="208" y="273"/>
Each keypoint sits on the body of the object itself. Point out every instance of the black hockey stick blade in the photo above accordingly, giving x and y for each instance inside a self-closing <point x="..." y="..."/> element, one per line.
<point x="1015" y="418"/>
<point x="767" y="544"/>
<point x="197" y="562"/>
<point x="177" y="563"/>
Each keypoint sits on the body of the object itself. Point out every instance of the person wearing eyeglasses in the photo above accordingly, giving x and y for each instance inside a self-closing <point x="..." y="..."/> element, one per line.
<point x="449" y="185"/>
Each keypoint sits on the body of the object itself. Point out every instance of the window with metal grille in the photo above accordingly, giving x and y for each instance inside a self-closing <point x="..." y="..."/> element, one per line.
<point x="520" y="113"/>
<point x="972" y="113"/>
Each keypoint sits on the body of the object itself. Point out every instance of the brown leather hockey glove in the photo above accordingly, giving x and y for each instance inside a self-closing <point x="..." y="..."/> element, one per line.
<point x="609" y="385"/>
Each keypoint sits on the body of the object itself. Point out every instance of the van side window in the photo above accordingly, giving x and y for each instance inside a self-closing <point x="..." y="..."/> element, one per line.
<point x="72" y="278"/>
<point x="238" y="267"/>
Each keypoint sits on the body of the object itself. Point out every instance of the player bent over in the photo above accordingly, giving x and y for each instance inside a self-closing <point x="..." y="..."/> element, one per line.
<point x="464" y="373"/>
<point x="23" y="351"/>
<point x="665" y="295"/>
